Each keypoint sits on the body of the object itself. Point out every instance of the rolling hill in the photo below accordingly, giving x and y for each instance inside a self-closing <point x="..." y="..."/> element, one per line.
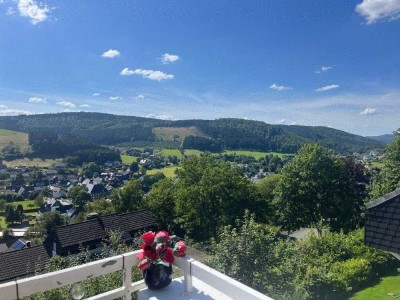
<point x="224" y="134"/>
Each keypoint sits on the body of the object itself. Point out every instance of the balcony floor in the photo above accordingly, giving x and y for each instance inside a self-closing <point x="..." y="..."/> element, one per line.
<point x="175" y="291"/>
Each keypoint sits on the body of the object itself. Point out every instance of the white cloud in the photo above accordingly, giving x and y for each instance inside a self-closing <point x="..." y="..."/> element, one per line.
<point x="160" y="117"/>
<point x="149" y="74"/>
<point x="114" y="98"/>
<point x="111" y="53"/>
<point x="327" y="88"/>
<point x="279" y="87"/>
<point x="37" y="100"/>
<point x="10" y="11"/>
<point x="67" y="104"/>
<point x="374" y="10"/>
<point x="29" y="8"/>
<point x="96" y="94"/>
<point x="293" y="123"/>
<point x="6" y="111"/>
<point x="281" y="121"/>
<point x="85" y="105"/>
<point x="139" y="97"/>
<point x="369" y="111"/>
<point x="323" y="69"/>
<point x="169" y="58"/>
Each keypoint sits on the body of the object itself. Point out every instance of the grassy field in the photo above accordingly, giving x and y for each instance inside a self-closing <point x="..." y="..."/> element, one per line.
<point x="171" y="152"/>
<point x="168" y="172"/>
<point x="18" y="138"/>
<point x="255" y="154"/>
<point x="25" y="204"/>
<point x="3" y="223"/>
<point x="387" y="288"/>
<point x="34" y="162"/>
<point x="127" y="159"/>
<point x="175" y="134"/>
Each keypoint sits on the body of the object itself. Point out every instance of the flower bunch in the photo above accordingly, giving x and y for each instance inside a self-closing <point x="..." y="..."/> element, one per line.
<point x="159" y="248"/>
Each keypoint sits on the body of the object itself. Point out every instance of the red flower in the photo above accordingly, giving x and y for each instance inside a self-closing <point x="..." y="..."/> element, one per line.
<point x="140" y="255"/>
<point x="143" y="265"/>
<point x="148" y="237"/>
<point x="160" y="248"/>
<point x="162" y="237"/>
<point x="149" y="252"/>
<point x="180" y="249"/>
<point x="168" y="256"/>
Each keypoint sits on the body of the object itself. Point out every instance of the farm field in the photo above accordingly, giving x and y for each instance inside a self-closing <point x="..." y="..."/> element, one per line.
<point x="175" y="134"/>
<point x="255" y="154"/>
<point x="168" y="172"/>
<point x="19" y="139"/>
<point x="128" y="159"/>
<point x="34" y="162"/>
<point x="387" y="288"/>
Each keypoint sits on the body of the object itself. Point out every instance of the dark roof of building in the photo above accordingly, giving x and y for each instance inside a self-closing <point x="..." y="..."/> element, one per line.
<point x="78" y="233"/>
<point x="96" y="228"/>
<point x="128" y="222"/>
<point x="382" y="223"/>
<point x="20" y="263"/>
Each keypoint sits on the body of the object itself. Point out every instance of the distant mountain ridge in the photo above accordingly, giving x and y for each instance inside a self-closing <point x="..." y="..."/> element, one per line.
<point x="222" y="134"/>
<point x="385" y="138"/>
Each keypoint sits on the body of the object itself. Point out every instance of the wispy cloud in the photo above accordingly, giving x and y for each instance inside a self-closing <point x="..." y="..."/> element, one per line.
<point x="139" y="97"/>
<point x="67" y="104"/>
<point x="149" y="74"/>
<point x="111" y="53"/>
<point x="281" y="121"/>
<point x="160" y="117"/>
<point x="37" y="100"/>
<point x="85" y="105"/>
<point x="375" y="10"/>
<point x="167" y="58"/>
<point x="279" y="87"/>
<point x="30" y="9"/>
<point x="96" y="94"/>
<point x="293" y="123"/>
<point x="369" y="111"/>
<point x="114" y="98"/>
<point x="323" y="69"/>
<point x="327" y="88"/>
<point x="6" y="111"/>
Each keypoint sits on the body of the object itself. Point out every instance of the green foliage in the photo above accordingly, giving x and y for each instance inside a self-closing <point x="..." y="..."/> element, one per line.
<point x="46" y="224"/>
<point x="330" y="266"/>
<point x="210" y="194"/>
<point x="201" y="143"/>
<point x="79" y="195"/>
<point x="265" y="198"/>
<point x="128" y="198"/>
<point x="389" y="177"/>
<point x="160" y="202"/>
<point x="91" y="169"/>
<point x="316" y="189"/>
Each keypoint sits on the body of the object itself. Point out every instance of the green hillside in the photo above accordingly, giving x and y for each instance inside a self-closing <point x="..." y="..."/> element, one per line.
<point x="19" y="139"/>
<point x="205" y="135"/>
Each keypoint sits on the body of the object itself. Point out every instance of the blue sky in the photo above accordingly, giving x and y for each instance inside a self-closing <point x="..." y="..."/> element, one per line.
<point x="306" y="62"/>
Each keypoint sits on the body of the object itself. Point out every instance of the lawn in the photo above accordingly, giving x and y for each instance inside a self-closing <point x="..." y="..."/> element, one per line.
<point x="171" y="152"/>
<point x="127" y="159"/>
<point x="25" y="204"/>
<point x="168" y="172"/>
<point x="3" y="223"/>
<point x="34" y="162"/>
<point x="387" y="288"/>
<point x="17" y="138"/>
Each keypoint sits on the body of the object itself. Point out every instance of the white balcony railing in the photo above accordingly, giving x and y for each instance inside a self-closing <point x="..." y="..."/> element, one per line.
<point x="199" y="279"/>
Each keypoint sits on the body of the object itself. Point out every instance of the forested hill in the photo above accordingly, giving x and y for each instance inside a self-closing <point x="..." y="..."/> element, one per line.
<point x="219" y="134"/>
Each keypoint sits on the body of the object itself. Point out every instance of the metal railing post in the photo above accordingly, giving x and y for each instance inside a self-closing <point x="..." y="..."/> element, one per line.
<point x="127" y="278"/>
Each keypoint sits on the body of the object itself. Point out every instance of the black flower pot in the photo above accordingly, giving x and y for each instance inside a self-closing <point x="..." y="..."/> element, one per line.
<point x="157" y="276"/>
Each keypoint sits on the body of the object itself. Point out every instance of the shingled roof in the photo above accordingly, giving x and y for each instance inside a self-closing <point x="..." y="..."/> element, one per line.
<point x="382" y="223"/>
<point x="79" y="233"/>
<point x="91" y="232"/>
<point x="15" y="264"/>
